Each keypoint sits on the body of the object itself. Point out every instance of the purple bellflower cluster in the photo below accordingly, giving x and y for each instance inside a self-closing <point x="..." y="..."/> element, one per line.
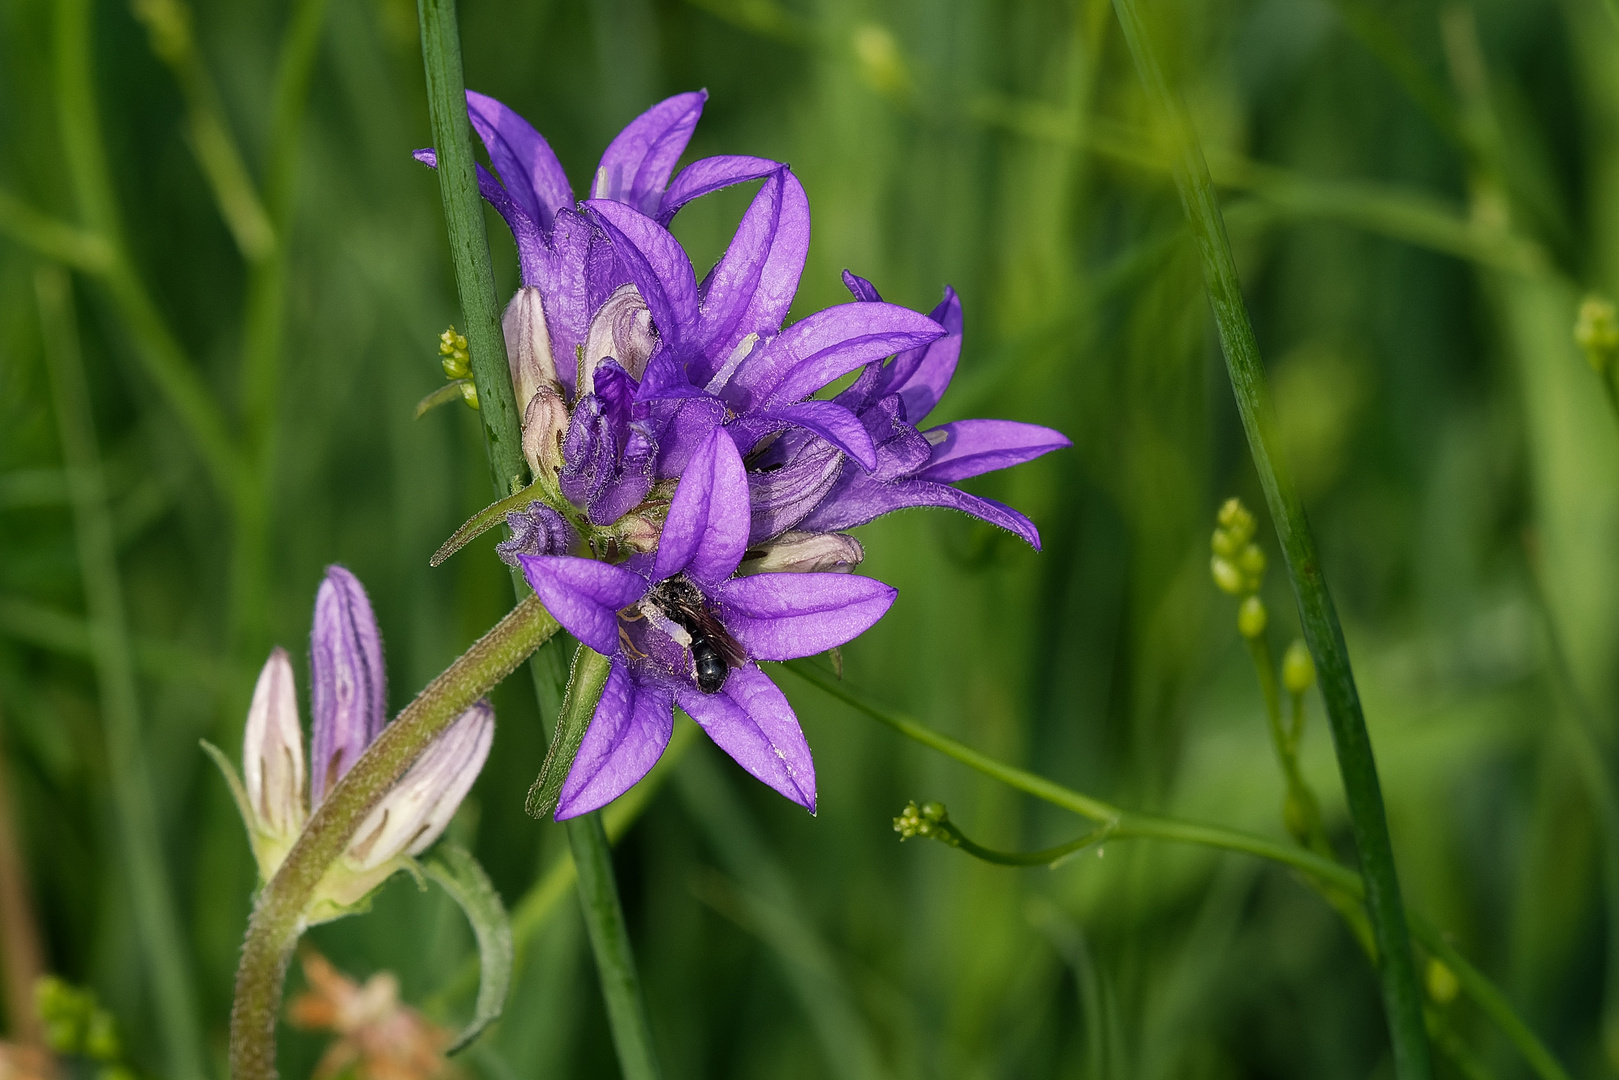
<point x="691" y="491"/>
<point x="349" y="703"/>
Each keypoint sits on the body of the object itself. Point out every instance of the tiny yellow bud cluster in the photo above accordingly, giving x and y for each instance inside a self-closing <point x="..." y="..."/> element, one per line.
<point x="456" y="360"/>
<point x="1298" y="670"/>
<point x="1596" y="330"/>
<point x="76" y="1025"/>
<point x="930" y="820"/>
<point x="1238" y="565"/>
<point x="1443" y="986"/>
<point x="453" y="354"/>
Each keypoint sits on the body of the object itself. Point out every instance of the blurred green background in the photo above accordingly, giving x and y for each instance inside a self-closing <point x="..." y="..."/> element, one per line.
<point x="1420" y="194"/>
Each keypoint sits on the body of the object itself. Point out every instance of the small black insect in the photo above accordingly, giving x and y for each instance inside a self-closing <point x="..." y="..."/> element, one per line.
<point x="714" y="652"/>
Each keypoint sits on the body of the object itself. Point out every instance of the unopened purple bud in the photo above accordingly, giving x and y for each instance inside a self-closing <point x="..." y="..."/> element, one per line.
<point x="804" y="553"/>
<point x="589" y="452"/>
<point x="528" y="346"/>
<point x="273" y="755"/>
<point x="620" y="330"/>
<point x="537" y="529"/>
<point x="349" y="697"/>
<point x="415" y="812"/>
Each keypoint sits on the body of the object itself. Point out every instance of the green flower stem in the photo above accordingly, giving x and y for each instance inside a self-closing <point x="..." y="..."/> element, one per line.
<point x="610" y="941"/>
<point x="1151" y="826"/>
<point x="278" y="916"/>
<point x="1402" y="995"/>
<point x="151" y="899"/>
<point x="475" y="281"/>
<point x="469" y="243"/>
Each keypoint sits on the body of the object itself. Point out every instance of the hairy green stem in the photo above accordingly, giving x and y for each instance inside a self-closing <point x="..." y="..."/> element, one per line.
<point x="475" y="283"/>
<point x="1319" y="872"/>
<point x="1402" y="995"/>
<point x="151" y="897"/>
<point x="278" y="917"/>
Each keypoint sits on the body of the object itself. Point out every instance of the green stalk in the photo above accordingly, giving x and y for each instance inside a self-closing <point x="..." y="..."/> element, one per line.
<point x="151" y="900"/>
<point x="277" y="919"/>
<point x="1320" y="873"/>
<point x="480" y="310"/>
<point x="155" y="345"/>
<point x="469" y="243"/>
<point x="1402" y="996"/>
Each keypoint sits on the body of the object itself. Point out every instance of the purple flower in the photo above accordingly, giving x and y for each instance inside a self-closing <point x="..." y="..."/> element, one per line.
<point x="560" y="253"/>
<point x="722" y="354"/>
<point x="537" y="529"/>
<point x="349" y="700"/>
<point x="804" y="483"/>
<point x="681" y="630"/>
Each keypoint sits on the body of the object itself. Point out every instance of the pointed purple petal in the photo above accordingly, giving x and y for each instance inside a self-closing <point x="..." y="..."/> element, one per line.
<point x="971" y="447"/>
<point x="526" y="164"/>
<point x="751" y="720"/>
<point x="584" y="595"/>
<point x="636" y="166"/>
<point x="860" y="288"/>
<point x="626" y="736"/>
<point x="657" y="264"/>
<point x="835" y="424"/>
<point x="859" y="498"/>
<point x="794" y="485"/>
<point x="681" y="426"/>
<point x="707" y="528"/>
<point x="921" y="376"/>
<point x="814" y="351"/>
<point x="752" y="286"/>
<point x="531" y="246"/>
<point x="708" y="175"/>
<point x="785" y="616"/>
<point x="349" y="691"/>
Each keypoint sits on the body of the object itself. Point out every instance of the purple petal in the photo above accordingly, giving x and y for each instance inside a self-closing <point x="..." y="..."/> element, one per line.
<point x="752" y="286"/>
<point x="921" y="376"/>
<point x="526" y="164"/>
<point x="537" y="529"/>
<point x="835" y="424"/>
<point x="858" y="498"/>
<point x="785" y="616"/>
<point x="656" y="262"/>
<point x="626" y="736"/>
<point x="708" y="175"/>
<point x="971" y="447"/>
<point x="830" y="343"/>
<point x="707" y="528"/>
<point x="787" y="489"/>
<point x="531" y="246"/>
<point x="681" y="426"/>
<point x="560" y="274"/>
<point x="636" y="166"/>
<point x="751" y="720"/>
<point x="584" y="595"/>
<point x="349" y="691"/>
<point x="860" y="288"/>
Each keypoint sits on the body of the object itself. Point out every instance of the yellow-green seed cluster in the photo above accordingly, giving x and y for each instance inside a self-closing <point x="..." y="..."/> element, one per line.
<point x="1596" y="331"/>
<point x="76" y="1025"/>
<point x="453" y="354"/>
<point x="1238" y="565"/>
<point x="919" y="821"/>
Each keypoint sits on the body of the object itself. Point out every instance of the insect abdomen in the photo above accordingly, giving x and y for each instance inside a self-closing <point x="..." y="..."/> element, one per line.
<point x="711" y="666"/>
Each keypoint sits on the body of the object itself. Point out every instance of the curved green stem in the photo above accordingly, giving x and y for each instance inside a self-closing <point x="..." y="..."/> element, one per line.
<point x="1318" y="871"/>
<point x="278" y="917"/>
<point x="1402" y="995"/>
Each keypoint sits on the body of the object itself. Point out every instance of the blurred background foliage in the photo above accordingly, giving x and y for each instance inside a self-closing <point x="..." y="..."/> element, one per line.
<point x="1420" y="194"/>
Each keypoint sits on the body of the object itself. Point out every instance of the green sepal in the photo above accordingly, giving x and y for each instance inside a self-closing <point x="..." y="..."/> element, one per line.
<point x="458" y="872"/>
<point x="586" y="679"/>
